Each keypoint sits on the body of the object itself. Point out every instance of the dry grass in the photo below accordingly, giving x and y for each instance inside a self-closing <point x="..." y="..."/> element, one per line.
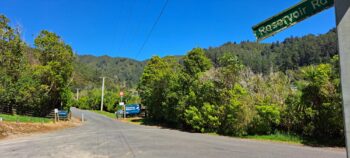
<point x="13" y="129"/>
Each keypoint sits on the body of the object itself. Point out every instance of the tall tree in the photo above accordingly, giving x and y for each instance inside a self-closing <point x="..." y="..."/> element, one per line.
<point x="11" y="62"/>
<point x="56" y="70"/>
<point x="152" y="85"/>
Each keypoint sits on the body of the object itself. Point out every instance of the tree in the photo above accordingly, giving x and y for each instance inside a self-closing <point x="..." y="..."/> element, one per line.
<point x="235" y="111"/>
<point x="190" y="89"/>
<point x="195" y="62"/>
<point x="56" y="70"/>
<point x="11" y="63"/>
<point x="152" y="86"/>
<point x="321" y="100"/>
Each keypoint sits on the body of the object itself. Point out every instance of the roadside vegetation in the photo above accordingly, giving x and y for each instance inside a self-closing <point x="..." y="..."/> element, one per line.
<point x="20" y="118"/>
<point x="34" y="80"/>
<point x="91" y="99"/>
<point x="105" y="113"/>
<point x="231" y="99"/>
<point x="278" y="137"/>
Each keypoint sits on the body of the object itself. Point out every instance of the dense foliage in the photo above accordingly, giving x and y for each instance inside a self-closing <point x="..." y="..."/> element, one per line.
<point x="91" y="99"/>
<point x="34" y="85"/>
<point x="231" y="99"/>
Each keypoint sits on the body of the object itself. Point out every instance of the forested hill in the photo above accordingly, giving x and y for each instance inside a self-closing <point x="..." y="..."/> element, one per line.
<point x="89" y="70"/>
<point x="291" y="53"/>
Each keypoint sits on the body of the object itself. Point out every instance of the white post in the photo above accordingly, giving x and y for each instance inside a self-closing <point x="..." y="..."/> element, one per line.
<point x="121" y="99"/>
<point x="124" y="111"/>
<point x="342" y="11"/>
<point x="82" y="117"/>
<point x="103" y="88"/>
<point x="77" y="94"/>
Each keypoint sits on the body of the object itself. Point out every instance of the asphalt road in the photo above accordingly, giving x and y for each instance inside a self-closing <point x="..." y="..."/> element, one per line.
<point x="103" y="137"/>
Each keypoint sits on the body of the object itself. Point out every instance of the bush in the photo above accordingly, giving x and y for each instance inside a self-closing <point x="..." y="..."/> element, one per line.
<point x="266" y="120"/>
<point x="194" y="118"/>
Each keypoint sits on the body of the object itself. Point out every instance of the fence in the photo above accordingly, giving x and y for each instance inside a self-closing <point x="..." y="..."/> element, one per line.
<point x="28" y="112"/>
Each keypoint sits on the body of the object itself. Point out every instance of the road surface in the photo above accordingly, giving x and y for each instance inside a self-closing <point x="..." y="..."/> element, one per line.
<point x="102" y="137"/>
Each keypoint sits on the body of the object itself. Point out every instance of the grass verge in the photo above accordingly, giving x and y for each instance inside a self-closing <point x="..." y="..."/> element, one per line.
<point x="278" y="137"/>
<point x="20" y="118"/>
<point x="135" y="120"/>
<point x="108" y="114"/>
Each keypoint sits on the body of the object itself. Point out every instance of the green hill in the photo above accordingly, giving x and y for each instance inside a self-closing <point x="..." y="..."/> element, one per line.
<point x="119" y="71"/>
<point x="289" y="54"/>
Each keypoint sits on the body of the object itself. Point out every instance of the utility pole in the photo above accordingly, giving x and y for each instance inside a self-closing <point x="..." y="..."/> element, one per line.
<point x="103" y="88"/>
<point x="342" y="12"/>
<point x="77" y="93"/>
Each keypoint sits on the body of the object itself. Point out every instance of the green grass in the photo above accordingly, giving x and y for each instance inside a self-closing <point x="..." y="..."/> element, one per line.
<point x="108" y="114"/>
<point x="20" y="118"/>
<point x="279" y="137"/>
<point x="137" y="121"/>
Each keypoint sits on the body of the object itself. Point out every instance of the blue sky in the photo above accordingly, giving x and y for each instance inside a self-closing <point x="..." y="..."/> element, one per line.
<point x="119" y="27"/>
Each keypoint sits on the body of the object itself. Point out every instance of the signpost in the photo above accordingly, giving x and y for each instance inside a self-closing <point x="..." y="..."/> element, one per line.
<point x="303" y="10"/>
<point x="342" y="11"/>
<point x="290" y="16"/>
<point x="121" y="93"/>
<point x="56" y="114"/>
<point x="124" y="111"/>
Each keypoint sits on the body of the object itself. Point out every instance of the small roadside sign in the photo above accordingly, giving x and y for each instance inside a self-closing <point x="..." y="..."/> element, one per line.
<point x="121" y="103"/>
<point x="121" y="93"/>
<point x="56" y="111"/>
<point x="289" y="17"/>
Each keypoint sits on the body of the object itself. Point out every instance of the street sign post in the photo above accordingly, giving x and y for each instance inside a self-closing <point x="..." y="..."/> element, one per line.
<point x="124" y="111"/>
<point x="303" y="10"/>
<point x="56" y="113"/>
<point x="290" y="17"/>
<point x="342" y="11"/>
<point x="121" y="93"/>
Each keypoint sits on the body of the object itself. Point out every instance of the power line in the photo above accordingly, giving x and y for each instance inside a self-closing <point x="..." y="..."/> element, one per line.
<point x="128" y="21"/>
<point x="137" y="29"/>
<point x="153" y="27"/>
<point x="118" y="24"/>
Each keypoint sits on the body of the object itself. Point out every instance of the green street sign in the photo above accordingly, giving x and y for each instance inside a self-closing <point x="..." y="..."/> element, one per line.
<point x="290" y="17"/>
